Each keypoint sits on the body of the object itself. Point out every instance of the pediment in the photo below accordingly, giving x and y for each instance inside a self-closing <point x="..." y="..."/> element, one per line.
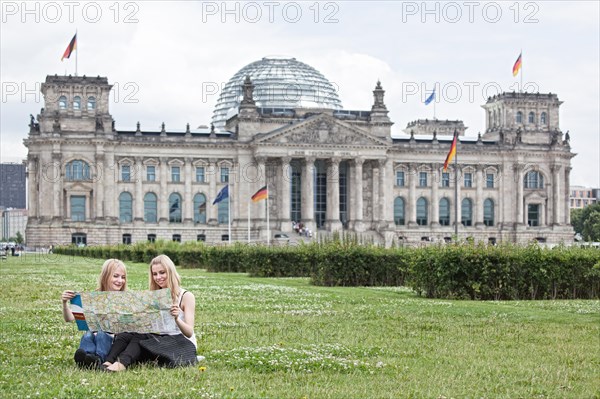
<point x="537" y="195"/>
<point x="79" y="186"/>
<point x="321" y="130"/>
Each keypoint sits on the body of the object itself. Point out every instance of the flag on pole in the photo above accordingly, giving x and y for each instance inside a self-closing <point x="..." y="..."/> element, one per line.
<point x="70" y="48"/>
<point x="517" y="66"/>
<point x="452" y="151"/>
<point x="430" y="98"/>
<point x="224" y="193"/>
<point x="261" y="194"/>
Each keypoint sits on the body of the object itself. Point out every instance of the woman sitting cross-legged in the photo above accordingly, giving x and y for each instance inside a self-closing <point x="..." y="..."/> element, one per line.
<point x="177" y="349"/>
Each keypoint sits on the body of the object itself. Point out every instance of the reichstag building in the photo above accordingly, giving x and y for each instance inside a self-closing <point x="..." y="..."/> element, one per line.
<point x="279" y="122"/>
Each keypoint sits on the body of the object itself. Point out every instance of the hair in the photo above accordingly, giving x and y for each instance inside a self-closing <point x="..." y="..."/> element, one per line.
<point x="108" y="268"/>
<point x="173" y="279"/>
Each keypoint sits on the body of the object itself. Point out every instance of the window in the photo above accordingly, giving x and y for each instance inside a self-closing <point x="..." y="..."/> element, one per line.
<point x="422" y="212"/>
<point x="91" y="103"/>
<point x="489" y="180"/>
<point x="78" y="208"/>
<point x="467" y="212"/>
<point x="77" y="103"/>
<point x="224" y="175"/>
<point x="444" y="212"/>
<point x="399" y="211"/>
<point x="200" y="174"/>
<point x="175" y="174"/>
<point x="151" y="173"/>
<point x="150" y="204"/>
<point x="201" y="237"/>
<point x="533" y="215"/>
<point x="125" y="173"/>
<point x="488" y="212"/>
<point x="492" y="240"/>
<point x="534" y="179"/>
<point x="175" y="208"/>
<point x="62" y="102"/>
<point x="445" y="179"/>
<point x="79" y="239"/>
<point x="543" y="118"/>
<point x="468" y="179"/>
<point x="199" y="208"/>
<point x="519" y="117"/>
<point x="223" y="211"/>
<point x="125" y="207"/>
<point x="151" y="237"/>
<point x="531" y="118"/>
<point x="176" y="237"/>
<point x="126" y="239"/>
<point x="422" y="179"/>
<point x="399" y="178"/>
<point x="78" y="170"/>
<point x="225" y="237"/>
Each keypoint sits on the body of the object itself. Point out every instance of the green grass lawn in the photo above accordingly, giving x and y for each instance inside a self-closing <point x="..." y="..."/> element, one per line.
<point x="283" y="338"/>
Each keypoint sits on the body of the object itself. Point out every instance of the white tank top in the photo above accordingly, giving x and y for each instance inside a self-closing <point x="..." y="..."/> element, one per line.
<point x="182" y="318"/>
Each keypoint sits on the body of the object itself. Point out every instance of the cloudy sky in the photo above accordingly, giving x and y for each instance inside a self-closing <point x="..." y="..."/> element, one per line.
<point x="166" y="60"/>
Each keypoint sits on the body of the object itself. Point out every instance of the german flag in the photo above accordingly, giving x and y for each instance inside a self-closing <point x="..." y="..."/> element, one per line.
<point x="70" y="48"/>
<point x="452" y="151"/>
<point x="261" y="194"/>
<point x="517" y="66"/>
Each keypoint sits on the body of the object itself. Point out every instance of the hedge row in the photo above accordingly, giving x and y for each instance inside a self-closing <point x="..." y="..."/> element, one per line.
<point x="464" y="271"/>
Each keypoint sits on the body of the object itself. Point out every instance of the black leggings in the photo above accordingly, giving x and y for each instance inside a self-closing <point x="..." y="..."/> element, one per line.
<point x="127" y="350"/>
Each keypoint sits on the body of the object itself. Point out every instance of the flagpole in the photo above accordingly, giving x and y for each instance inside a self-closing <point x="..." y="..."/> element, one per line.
<point x="521" y="71"/>
<point x="456" y="187"/>
<point x="77" y="52"/>
<point x="268" y="226"/>
<point x="248" y="222"/>
<point x="229" y="214"/>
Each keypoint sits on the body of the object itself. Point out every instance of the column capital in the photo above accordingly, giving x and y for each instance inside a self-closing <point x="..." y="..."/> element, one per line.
<point x="555" y="168"/>
<point x="261" y="159"/>
<point x="382" y="162"/>
<point x="286" y="160"/>
<point x="188" y="160"/>
<point x="56" y="156"/>
<point x="163" y="160"/>
<point x="309" y="160"/>
<point x="138" y="159"/>
<point x="359" y="161"/>
<point x="334" y="161"/>
<point x="99" y="157"/>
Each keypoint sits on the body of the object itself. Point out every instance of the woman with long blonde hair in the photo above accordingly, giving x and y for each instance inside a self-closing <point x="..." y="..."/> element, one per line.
<point x="94" y="347"/>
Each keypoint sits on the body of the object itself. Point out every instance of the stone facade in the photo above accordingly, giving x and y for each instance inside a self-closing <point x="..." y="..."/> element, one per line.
<point x="329" y="169"/>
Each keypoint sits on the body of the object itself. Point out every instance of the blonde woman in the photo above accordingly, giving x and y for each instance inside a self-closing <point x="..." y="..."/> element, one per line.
<point x="172" y="350"/>
<point x="94" y="347"/>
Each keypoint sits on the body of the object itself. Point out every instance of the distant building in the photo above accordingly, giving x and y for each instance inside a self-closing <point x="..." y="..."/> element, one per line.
<point x="13" y="221"/>
<point x="583" y="196"/>
<point x="12" y="186"/>
<point x="325" y="166"/>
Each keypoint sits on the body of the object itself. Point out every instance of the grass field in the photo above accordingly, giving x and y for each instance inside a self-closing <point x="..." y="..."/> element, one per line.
<point x="283" y="338"/>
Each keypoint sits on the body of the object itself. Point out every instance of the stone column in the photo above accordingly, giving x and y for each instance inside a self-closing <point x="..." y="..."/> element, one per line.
<point x="111" y="171"/>
<point x="163" y="197"/>
<point x="57" y="187"/>
<point x="308" y="193"/>
<point x="261" y="215"/>
<point x="479" y="197"/>
<point x="567" y="217"/>
<point x="412" y="200"/>
<point x="188" y="200"/>
<point x="138" y="197"/>
<point x="435" y="201"/>
<point x="333" y="194"/>
<point x="33" y="195"/>
<point x="286" y="180"/>
<point x="384" y="196"/>
<point x="212" y="175"/>
<point x="458" y="200"/>
<point x="520" y="219"/>
<point x="357" y="195"/>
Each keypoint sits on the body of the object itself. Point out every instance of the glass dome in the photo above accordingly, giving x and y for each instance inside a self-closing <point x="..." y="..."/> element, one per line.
<point x="278" y="83"/>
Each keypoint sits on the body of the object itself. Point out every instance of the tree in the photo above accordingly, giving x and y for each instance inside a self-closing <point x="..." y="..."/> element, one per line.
<point x="591" y="227"/>
<point x="19" y="238"/>
<point x="577" y="219"/>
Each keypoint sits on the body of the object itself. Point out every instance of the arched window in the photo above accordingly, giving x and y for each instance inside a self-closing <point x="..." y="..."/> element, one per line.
<point x="399" y="211"/>
<point x="77" y="170"/>
<point x="519" y="117"/>
<point x="544" y="118"/>
<point x="488" y="212"/>
<point x="150" y="205"/>
<point x="175" y="208"/>
<point x="444" y="212"/>
<point x="533" y="179"/>
<point x="91" y="103"/>
<point x="199" y="208"/>
<point x="467" y="212"/>
<point x="77" y="103"/>
<point x="223" y="211"/>
<point x="531" y="118"/>
<point x="62" y="102"/>
<point x="422" y="212"/>
<point x="125" y="207"/>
